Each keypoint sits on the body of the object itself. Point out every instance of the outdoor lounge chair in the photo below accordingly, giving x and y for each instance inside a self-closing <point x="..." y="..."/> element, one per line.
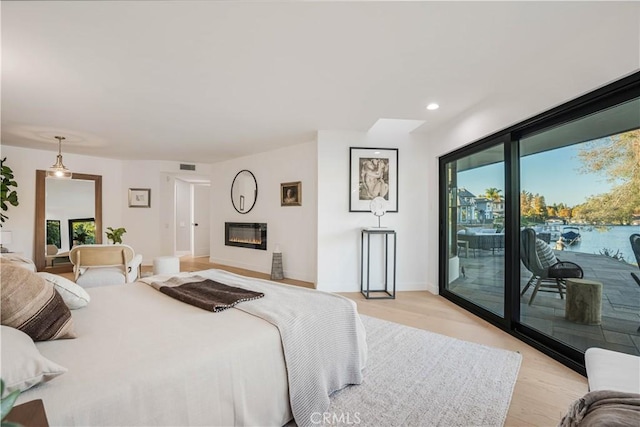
<point x="635" y="247"/>
<point x="548" y="273"/>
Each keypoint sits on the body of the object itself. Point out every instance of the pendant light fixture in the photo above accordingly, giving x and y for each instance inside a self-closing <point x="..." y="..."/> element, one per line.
<point x="59" y="170"/>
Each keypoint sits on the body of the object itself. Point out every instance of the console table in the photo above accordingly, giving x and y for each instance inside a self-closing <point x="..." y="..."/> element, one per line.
<point x="389" y="263"/>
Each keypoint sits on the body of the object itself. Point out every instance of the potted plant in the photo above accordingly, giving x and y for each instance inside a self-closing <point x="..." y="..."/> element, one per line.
<point x="115" y="235"/>
<point x="8" y="196"/>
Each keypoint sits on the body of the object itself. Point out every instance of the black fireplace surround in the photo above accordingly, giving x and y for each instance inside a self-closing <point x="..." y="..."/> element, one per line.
<point x="251" y="235"/>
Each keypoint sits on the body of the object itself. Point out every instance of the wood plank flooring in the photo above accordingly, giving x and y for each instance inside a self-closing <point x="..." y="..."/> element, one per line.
<point x="544" y="389"/>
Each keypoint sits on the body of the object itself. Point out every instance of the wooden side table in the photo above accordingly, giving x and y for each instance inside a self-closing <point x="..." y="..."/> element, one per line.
<point x="29" y="414"/>
<point x="584" y="301"/>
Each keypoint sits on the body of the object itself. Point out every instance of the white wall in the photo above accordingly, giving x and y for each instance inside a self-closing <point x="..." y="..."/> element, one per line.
<point x="151" y="231"/>
<point x="339" y="230"/>
<point x="24" y="162"/>
<point x="293" y="228"/>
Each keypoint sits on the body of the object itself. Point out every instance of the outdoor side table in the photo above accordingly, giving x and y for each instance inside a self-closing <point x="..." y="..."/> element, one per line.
<point x="584" y="301"/>
<point x="388" y="237"/>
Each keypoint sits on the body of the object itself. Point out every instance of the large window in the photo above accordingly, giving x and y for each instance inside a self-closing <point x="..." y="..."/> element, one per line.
<point x="538" y="221"/>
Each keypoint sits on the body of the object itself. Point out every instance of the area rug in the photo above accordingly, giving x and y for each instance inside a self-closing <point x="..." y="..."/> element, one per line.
<point x="417" y="378"/>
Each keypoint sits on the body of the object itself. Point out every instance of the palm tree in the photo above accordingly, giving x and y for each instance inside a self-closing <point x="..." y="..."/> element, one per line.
<point x="493" y="194"/>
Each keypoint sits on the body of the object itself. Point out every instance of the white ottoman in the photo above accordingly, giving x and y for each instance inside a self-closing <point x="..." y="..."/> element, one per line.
<point x="612" y="370"/>
<point x="166" y="265"/>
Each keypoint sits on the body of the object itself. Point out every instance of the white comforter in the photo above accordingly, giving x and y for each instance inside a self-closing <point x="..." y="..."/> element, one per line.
<point x="142" y="358"/>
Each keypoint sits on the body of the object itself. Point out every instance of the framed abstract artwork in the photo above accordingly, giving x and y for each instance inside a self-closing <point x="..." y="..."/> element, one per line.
<point x="373" y="172"/>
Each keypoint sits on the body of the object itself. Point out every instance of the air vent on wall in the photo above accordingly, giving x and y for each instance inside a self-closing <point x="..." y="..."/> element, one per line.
<point x="186" y="167"/>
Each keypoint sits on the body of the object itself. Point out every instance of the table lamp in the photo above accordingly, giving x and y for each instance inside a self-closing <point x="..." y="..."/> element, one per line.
<point x="5" y="239"/>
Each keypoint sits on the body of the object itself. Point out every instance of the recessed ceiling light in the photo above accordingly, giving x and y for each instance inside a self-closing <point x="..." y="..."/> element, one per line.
<point x="433" y="106"/>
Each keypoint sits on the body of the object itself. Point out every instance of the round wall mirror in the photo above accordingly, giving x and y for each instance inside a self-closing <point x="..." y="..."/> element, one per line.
<point x="244" y="191"/>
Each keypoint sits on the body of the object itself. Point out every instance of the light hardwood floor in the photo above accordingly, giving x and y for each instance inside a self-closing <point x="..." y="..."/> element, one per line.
<point x="544" y="389"/>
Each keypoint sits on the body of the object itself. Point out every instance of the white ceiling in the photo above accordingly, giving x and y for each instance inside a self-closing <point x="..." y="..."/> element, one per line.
<point x="207" y="81"/>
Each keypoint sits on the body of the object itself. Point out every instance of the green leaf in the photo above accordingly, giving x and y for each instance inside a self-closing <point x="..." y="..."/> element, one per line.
<point x="7" y="403"/>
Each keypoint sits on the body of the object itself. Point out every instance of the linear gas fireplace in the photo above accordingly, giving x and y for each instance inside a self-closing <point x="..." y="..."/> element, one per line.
<point x="246" y="235"/>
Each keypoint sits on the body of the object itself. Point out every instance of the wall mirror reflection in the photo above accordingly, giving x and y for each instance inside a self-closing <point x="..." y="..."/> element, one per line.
<point x="244" y="191"/>
<point x="68" y="213"/>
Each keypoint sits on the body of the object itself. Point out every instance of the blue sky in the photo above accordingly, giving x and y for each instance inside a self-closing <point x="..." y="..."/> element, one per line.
<point x="552" y="174"/>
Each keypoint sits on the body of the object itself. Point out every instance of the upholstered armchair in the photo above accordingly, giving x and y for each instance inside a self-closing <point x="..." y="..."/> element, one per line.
<point x="101" y="265"/>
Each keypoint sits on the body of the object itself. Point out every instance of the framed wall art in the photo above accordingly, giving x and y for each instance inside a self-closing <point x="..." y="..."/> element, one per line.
<point x="373" y="172"/>
<point x="139" y="197"/>
<point x="291" y="194"/>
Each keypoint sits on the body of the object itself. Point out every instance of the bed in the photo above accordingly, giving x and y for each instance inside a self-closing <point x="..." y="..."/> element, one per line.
<point x="143" y="358"/>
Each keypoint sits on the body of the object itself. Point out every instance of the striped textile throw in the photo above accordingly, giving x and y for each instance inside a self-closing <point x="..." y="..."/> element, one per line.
<point x="204" y="293"/>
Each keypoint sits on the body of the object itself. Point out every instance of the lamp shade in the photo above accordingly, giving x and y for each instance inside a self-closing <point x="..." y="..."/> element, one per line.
<point x="59" y="170"/>
<point x="5" y="237"/>
<point x="60" y="173"/>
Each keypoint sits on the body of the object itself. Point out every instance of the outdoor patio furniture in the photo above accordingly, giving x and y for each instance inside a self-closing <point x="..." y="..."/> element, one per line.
<point x="635" y="247"/>
<point x="548" y="272"/>
<point x="483" y="241"/>
<point x="584" y="301"/>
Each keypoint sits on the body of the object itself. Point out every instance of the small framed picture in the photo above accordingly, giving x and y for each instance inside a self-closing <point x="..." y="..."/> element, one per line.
<point x="291" y="194"/>
<point x="373" y="172"/>
<point x="139" y="197"/>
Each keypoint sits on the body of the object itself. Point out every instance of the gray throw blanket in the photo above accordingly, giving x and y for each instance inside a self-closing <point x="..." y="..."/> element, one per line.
<point x="204" y="293"/>
<point x="322" y="337"/>
<point x="604" y="408"/>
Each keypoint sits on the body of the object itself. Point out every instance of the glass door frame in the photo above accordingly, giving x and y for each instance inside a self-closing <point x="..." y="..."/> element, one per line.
<point x="469" y="305"/>
<point x="600" y="99"/>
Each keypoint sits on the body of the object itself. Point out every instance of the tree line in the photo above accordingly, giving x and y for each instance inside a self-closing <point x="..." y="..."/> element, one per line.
<point x="617" y="158"/>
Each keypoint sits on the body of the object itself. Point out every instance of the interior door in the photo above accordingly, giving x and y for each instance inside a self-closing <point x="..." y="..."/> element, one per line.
<point x="201" y="219"/>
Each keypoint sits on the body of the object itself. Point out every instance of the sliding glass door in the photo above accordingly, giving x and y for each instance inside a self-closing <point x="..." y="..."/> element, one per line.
<point x="580" y="201"/>
<point x="536" y="224"/>
<point x="475" y="228"/>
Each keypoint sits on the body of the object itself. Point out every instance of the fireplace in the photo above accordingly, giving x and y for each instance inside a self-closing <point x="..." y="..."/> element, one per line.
<point x="246" y="235"/>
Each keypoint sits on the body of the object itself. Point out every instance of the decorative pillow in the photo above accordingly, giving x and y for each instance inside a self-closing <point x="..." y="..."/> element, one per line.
<point x="31" y="304"/>
<point x="22" y="364"/>
<point x="545" y="254"/>
<point x="19" y="260"/>
<point x="73" y="295"/>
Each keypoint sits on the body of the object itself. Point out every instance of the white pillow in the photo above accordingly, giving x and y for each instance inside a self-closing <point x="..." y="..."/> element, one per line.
<point x="72" y="294"/>
<point x="22" y="364"/>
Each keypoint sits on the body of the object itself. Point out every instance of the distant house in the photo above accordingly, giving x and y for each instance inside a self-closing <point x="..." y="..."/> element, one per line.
<point x="489" y="209"/>
<point x="466" y="206"/>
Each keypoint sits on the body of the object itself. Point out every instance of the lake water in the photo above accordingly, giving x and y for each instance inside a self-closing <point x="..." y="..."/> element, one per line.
<point x="613" y="238"/>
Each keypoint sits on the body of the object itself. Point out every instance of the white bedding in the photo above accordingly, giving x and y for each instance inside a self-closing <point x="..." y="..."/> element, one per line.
<point x="142" y="358"/>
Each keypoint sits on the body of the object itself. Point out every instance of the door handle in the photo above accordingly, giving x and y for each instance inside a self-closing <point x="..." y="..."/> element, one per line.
<point x="195" y="224"/>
